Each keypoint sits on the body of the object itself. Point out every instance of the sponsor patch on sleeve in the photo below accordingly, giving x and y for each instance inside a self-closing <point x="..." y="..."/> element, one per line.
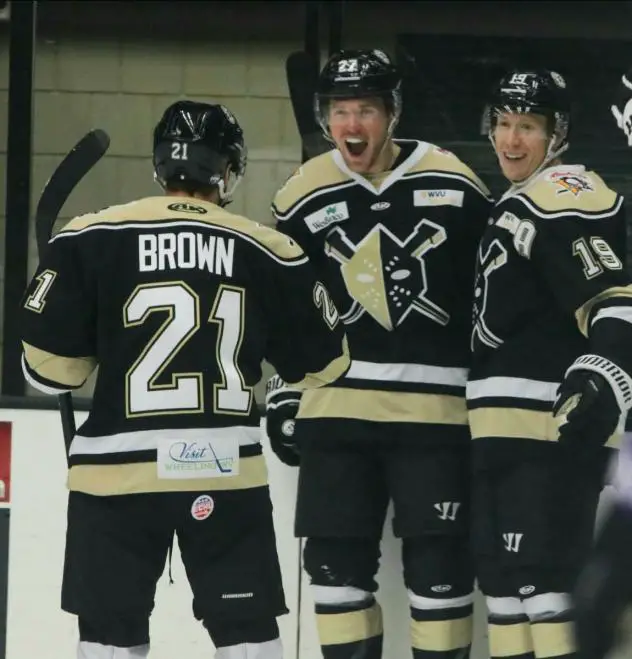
<point x="438" y="198"/>
<point x="326" y="216"/>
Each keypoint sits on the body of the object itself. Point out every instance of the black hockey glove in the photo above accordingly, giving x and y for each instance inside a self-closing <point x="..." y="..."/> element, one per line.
<point x="591" y="402"/>
<point x="281" y="409"/>
<point x="604" y="588"/>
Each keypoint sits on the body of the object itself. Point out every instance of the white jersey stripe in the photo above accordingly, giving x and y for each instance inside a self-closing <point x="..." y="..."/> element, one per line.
<point x="36" y="384"/>
<point x="504" y="387"/>
<point x="148" y="440"/>
<point x="623" y="313"/>
<point x="574" y="212"/>
<point x="420" y="373"/>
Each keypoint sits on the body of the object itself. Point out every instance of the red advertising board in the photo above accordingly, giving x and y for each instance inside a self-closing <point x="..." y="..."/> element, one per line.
<point x="5" y="461"/>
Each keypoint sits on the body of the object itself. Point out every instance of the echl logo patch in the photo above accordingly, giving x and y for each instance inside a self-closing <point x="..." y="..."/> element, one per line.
<point x="202" y="507"/>
<point x="572" y="183"/>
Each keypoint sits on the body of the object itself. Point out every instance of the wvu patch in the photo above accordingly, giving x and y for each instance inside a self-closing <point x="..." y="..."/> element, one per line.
<point x="438" y="198"/>
<point x="573" y="183"/>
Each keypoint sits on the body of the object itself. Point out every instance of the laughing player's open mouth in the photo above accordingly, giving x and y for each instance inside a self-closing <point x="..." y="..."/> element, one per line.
<point x="355" y="146"/>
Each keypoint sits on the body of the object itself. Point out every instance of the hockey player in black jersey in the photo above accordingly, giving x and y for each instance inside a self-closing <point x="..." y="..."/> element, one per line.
<point x="603" y="595"/>
<point x="392" y="227"/>
<point x="177" y="301"/>
<point x="550" y="379"/>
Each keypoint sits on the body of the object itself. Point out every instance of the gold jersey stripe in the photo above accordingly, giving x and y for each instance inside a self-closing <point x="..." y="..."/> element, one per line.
<point x="583" y="313"/>
<point x="393" y="406"/>
<point x="514" y="423"/>
<point x="142" y="478"/>
<point x="331" y="372"/>
<point x="68" y="371"/>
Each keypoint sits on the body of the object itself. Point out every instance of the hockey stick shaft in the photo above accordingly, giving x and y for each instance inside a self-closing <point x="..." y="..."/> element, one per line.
<point x="68" y="425"/>
<point x="72" y="169"/>
<point x="335" y="10"/>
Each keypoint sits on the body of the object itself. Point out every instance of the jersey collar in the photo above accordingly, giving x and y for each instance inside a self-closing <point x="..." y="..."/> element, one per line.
<point x="418" y="153"/>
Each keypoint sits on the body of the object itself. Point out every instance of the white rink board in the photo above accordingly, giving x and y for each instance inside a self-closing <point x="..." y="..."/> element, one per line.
<point x="38" y="628"/>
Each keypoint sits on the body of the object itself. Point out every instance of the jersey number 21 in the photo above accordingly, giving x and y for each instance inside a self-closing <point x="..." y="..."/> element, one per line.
<point x="184" y="392"/>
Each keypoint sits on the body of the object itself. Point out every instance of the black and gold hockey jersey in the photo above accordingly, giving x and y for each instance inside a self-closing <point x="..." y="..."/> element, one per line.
<point x="177" y="302"/>
<point x="397" y="252"/>
<point x="550" y="266"/>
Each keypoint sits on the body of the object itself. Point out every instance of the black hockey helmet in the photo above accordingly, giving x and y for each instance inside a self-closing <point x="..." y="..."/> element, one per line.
<point x="539" y="92"/>
<point x="194" y="143"/>
<point x="350" y="74"/>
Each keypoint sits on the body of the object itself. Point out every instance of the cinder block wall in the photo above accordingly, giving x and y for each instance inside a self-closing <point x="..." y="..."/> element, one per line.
<point x="123" y="87"/>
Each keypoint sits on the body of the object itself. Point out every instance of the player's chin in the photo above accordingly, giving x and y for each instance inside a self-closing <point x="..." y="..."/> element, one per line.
<point x="515" y="171"/>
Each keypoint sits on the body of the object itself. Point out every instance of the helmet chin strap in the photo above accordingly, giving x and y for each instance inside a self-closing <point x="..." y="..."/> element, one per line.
<point x="392" y="124"/>
<point x="158" y="181"/>
<point x="226" y="195"/>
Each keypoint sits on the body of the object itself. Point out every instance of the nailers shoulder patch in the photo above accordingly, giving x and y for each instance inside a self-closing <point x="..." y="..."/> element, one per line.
<point x="570" y="190"/>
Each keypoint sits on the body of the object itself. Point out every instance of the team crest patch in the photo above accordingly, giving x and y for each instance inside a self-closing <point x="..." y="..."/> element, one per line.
<point x="202" y="507"/>
<point x="385" y="275"/>
<point x="573" y="183"/>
